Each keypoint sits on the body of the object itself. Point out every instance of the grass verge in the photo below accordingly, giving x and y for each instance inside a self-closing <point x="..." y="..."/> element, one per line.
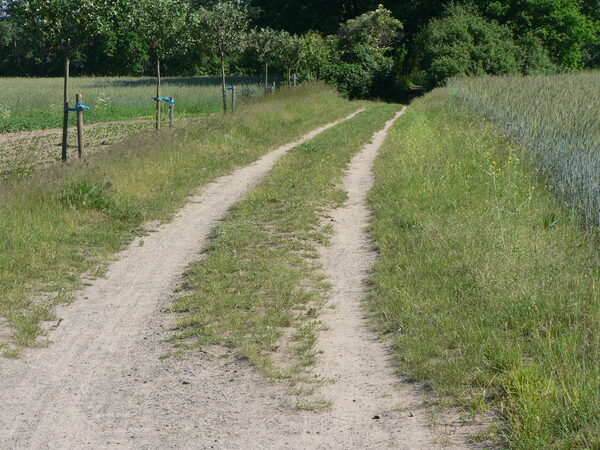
<point x="488" y="287"/>
<point x="65" y="221"/>
<point x="258" y="290"/>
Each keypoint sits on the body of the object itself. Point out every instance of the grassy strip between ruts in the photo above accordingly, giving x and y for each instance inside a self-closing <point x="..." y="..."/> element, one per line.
<point x="487" y="284"/>
<point x="63" y="222"/>
<point x="258" y="290"/>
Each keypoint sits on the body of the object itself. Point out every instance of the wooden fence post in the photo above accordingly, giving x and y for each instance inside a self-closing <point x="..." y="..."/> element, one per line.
<point x="78" y="102"/>
<point x="65" y="134"/>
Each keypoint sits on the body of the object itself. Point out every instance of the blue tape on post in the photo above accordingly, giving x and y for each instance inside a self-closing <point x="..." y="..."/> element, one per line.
<point x="78" y="108"/>
<point x="164" y="99"/>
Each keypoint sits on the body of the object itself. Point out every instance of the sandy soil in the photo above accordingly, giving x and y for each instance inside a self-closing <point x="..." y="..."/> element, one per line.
<point x="102" y="379"/>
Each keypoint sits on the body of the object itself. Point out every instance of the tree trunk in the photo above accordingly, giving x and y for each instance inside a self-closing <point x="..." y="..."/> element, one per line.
<point x="223" y="91"/>
<point x="66" y="106"/>
<point x="158" y="102"/>
<point x="289" y="75"/>
<point x="266" y="76"/>
<point x="80" y="146"/>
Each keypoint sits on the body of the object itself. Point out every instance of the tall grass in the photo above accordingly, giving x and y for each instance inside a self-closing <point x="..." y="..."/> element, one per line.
<point x="36" y="103"/>
<point x="65" y="221"/>
<point x="557" y="119"/>
<point x="487" y="285"/>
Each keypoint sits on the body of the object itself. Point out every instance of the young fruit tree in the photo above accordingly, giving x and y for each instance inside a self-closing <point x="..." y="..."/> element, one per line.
<point x="267" y="45"/>
<point x="164" y="24"/>
<point x="291" y="53"/>
<point x="65" y="27"/>
<point x="221" y="29"/>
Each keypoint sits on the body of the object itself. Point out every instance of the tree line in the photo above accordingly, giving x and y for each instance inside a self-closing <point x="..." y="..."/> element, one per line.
<point x="364" y="47"/>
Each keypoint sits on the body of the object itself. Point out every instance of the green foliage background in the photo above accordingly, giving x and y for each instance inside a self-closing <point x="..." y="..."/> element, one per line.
<point x="425" y="41"/>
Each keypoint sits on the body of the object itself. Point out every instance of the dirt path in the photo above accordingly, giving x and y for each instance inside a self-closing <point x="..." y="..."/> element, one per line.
<point x="373" y="407"/>
<point x="364" y="393"/>
<point x="102" y="382"/>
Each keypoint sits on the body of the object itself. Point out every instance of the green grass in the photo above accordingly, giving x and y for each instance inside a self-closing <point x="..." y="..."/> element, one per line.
<point x="557" y="119"/>
<point x="36" y="103"/>
<point x="67" y="220"/>
<point x="488" y="287"/>
<point x="258" y="291"/>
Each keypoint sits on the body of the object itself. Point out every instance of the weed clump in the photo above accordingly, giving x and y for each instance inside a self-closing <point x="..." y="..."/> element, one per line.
<point x="100" y="197"/>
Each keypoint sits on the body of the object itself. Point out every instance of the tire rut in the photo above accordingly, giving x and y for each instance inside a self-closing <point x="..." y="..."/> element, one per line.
<point x="102" y="383"/>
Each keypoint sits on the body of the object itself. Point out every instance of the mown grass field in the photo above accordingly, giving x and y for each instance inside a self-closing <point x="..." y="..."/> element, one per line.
<point x="487" y="284"/>
<point x="67" y="220"/>
<point x="36" y="103"/>
<point x="259" y="288"/>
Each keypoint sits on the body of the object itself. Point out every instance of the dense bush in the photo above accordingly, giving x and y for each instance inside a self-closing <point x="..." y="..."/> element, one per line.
<point x="464" y="43"/>
<point x="360" y="59"/>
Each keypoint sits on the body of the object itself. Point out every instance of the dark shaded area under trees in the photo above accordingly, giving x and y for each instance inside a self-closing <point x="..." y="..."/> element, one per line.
<point x="368" y="48"/>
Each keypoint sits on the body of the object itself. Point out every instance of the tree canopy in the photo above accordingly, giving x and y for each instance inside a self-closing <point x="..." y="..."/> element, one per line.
<point x="364" y="46"/>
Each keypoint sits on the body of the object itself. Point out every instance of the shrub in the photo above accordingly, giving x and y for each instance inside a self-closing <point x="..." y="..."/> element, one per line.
<point x="464" y="43"/>
<point x="534" y="58"/>
<point x="360" y="59"/>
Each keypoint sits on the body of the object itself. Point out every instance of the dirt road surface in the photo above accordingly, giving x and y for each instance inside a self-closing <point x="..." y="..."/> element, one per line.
<point x="364" y="393"/>
<point x="103" y="382"/>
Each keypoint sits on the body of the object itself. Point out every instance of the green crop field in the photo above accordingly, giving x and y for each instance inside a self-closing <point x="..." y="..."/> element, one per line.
<point x="557" y="119"/>
<point x="36" y="103"/>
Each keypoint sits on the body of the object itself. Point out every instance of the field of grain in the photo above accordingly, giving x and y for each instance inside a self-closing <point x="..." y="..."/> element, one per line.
<point x="36" y="103"/>
<point x="557" y="119"/>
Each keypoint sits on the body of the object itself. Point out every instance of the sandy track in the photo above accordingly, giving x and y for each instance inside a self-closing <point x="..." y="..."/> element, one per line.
<point x="365" y="394"/>
<point x="371" y="406"/>
<point x="102" y="382"/>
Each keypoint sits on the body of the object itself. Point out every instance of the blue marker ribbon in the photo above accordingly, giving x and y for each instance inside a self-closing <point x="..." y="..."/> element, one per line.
<point x="78" y="108"/>
<point x="164" y="99"/>
<point x="230" y="88"/>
